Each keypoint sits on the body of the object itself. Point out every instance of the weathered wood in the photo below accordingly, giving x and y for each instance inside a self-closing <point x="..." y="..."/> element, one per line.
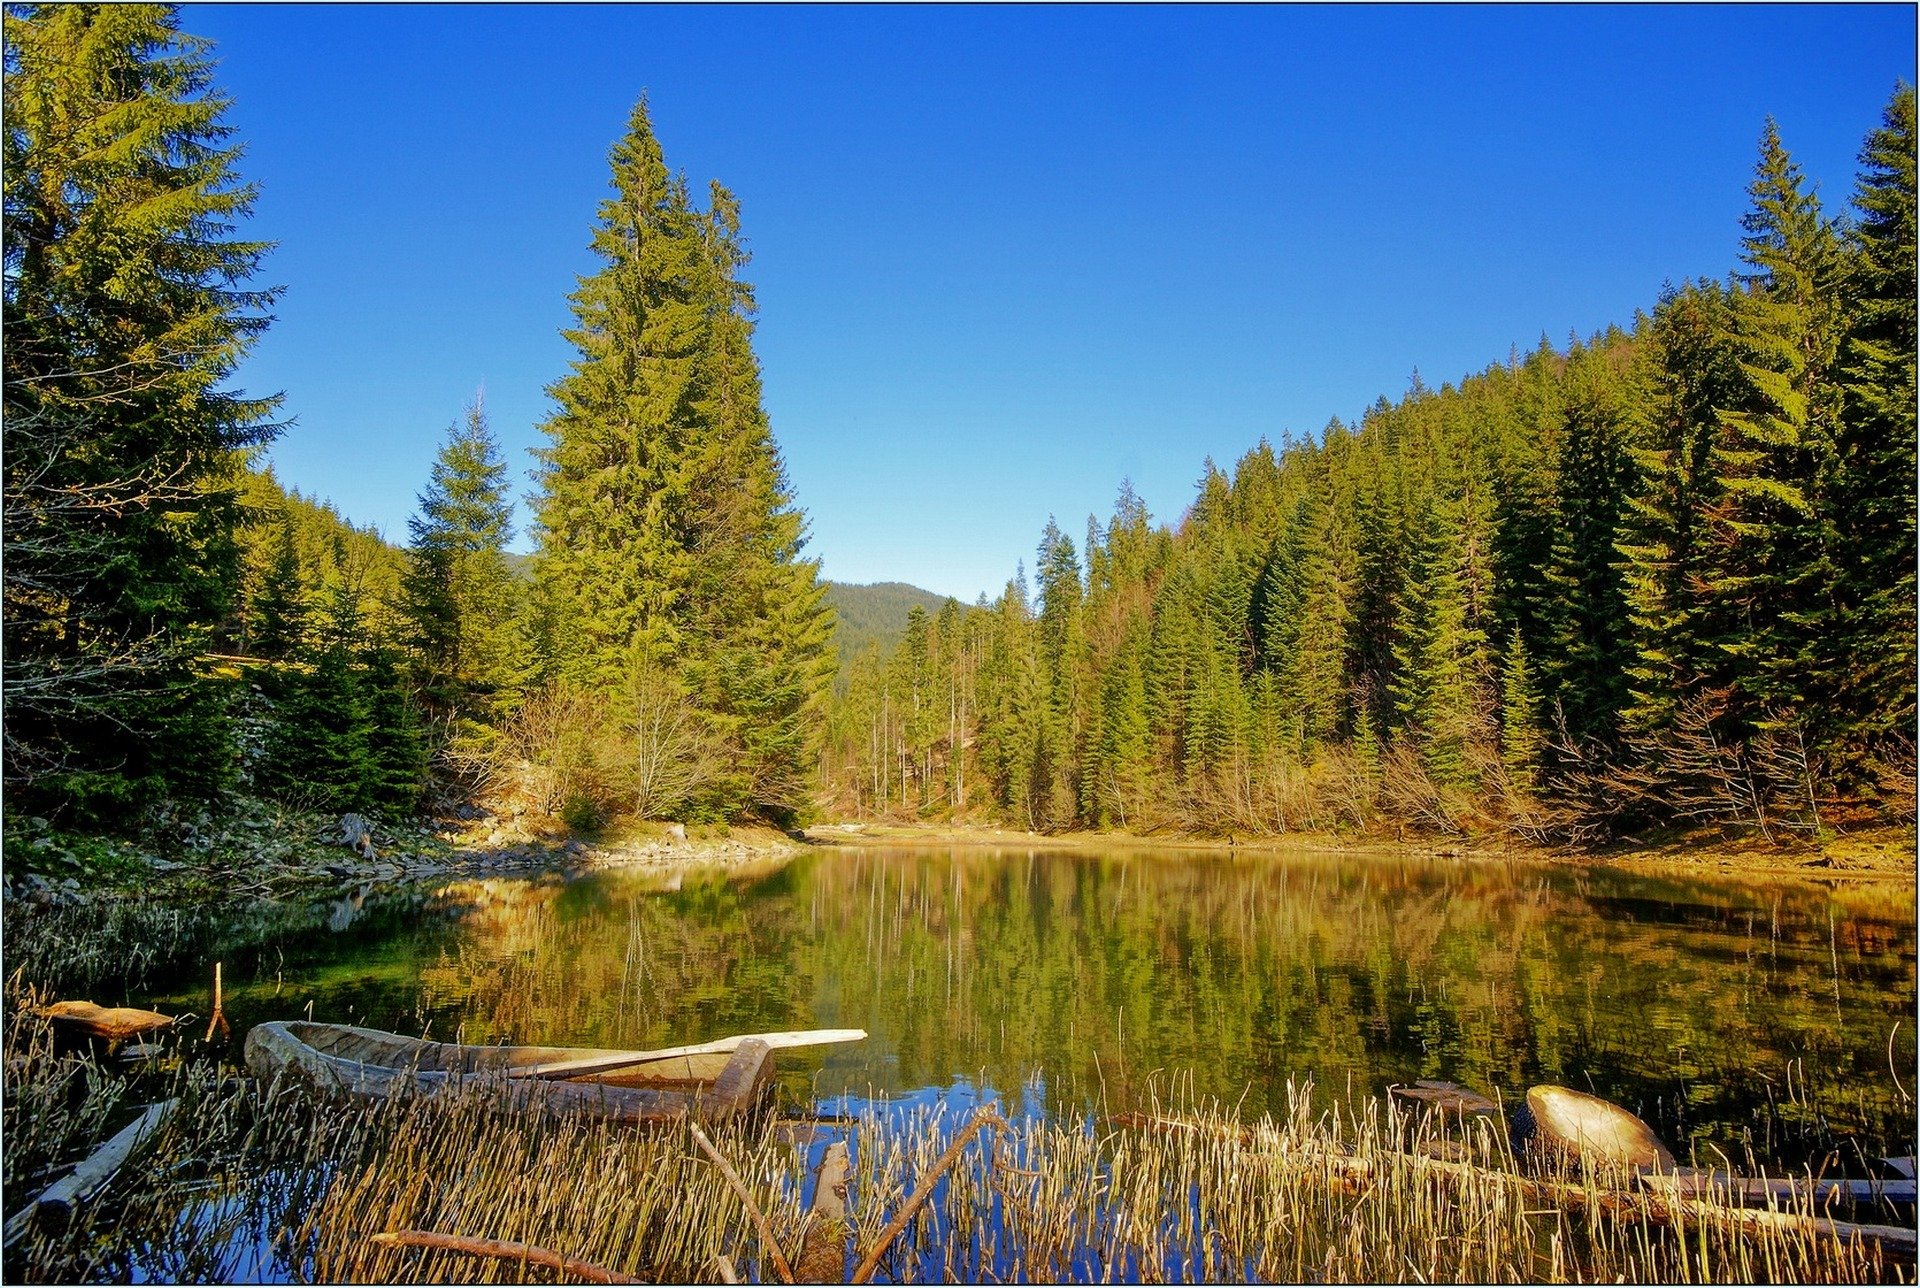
<point x="606" y="1063"/>
<point x="503" y="1250"/>
<point x="1446" y="1095"/>
<point x="57" y="1203"/>
<point x="368" y="1062"/>
<point x="743" y="1084"/>
<point x="1662" y="1204"/>
<point x="982" y="1118"/>
<point x="823" y="1245"/>
<point x="780" y="1264"/>
<point x="1754" y="1189"/>
<point x="106" y="1023"/>
<point x="1577" y="1125"/>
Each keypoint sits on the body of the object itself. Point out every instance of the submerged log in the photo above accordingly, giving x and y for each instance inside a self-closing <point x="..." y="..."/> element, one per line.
<point x="1446" y="1095"/>
<point x="823" y="1248"/>
<point x="58" y="1202"/>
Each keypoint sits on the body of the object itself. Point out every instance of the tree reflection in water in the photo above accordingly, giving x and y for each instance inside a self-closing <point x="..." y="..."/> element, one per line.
<point x="1731" y="1016"/>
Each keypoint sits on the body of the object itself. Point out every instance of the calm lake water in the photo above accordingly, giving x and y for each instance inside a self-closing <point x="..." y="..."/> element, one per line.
<point x="1772" y="1017"/>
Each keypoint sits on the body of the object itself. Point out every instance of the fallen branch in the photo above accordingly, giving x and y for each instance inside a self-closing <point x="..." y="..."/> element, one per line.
<point x="503" y="1250"/>
<point x="58" y="1201"/>
<point x="780" y="1264"/>
<point x="922" y="1192"/>
<point x="1662" y="1204"/>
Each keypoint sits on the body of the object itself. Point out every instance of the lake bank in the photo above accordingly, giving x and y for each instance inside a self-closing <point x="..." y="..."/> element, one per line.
<point x="1876" y="854"/>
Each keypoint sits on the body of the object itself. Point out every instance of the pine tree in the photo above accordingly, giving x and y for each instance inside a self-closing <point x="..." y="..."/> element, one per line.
<point x="125" y="311"/>
<point x="666" y="523"/>
<point x="1587" y="653"/>
<point x="278" y="628"/>
<point x="458" y="594"/>
<point x="1873" y="494"/>
<point x="1060" y="637"/>
<point x="1666" y="544"/>
<point x="1776" y="567"/>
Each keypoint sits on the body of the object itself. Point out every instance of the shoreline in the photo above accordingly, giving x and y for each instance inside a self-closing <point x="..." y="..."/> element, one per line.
<point x="1878" y="854"/>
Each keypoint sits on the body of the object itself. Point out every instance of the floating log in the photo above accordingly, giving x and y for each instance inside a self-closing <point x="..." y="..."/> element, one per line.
<point x="823" y="1247"/>
<point x="1664" y="1205"/>
<point x="57" y="1203"/>
<point x="1446" y="1095"/>
<point x="1754" y="1189"/>
<point x="104" y="1023"/>
<point x="503" y="1250"/>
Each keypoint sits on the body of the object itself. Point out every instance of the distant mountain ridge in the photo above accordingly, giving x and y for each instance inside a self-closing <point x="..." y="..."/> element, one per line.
<point x="874" y="614"/>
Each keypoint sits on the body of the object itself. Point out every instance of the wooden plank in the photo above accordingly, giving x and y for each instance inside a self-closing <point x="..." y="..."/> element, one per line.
<point x="721" y="1046"/>
<point x="58" y="1201"/>
<point x="737" y="1090"/>
<point x="108" y="1023"/>
<point x="1753" y="1189"/>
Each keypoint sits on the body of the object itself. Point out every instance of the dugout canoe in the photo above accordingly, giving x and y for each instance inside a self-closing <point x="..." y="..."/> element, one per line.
<point x="711" y="1080"/>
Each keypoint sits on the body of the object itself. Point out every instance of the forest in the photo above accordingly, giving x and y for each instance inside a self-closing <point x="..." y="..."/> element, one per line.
<point x="1661" y="576"/>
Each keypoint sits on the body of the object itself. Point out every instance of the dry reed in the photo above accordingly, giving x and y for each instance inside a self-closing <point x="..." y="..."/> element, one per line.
<point x="251" y="1181"/>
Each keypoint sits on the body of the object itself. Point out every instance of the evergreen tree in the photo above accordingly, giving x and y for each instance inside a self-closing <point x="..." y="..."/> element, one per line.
<point x="1588" y="653"/>
<point x="458" y="594"/>
<point x="278" y="626"/>
<point x="125" y="311"/>
<point x="1873" y="494"/>
<point x="666" y="523"/>
<point x="1776" y="567"/>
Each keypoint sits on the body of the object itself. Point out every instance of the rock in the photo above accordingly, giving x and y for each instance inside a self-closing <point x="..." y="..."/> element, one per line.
<point x="357" y="835"/>
<point x="1574" y="1125"/>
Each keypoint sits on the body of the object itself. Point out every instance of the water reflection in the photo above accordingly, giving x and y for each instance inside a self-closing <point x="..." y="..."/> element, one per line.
<point x="1729" y="1015"/>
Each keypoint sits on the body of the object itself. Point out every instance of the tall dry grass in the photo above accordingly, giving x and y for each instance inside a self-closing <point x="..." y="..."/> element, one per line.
<point x="253" y="1181"/>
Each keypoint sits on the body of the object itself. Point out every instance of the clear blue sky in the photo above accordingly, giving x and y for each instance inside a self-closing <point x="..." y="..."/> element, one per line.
<point x="1005" y="256"/>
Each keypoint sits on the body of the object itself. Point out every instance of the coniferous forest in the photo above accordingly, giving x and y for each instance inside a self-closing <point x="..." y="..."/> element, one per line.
<point x="1660" y="576"/>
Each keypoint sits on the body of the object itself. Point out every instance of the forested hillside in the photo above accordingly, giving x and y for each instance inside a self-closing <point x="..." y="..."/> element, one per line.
<point x="1664" y="574"/>
<point x="872" y="618"/>
<point x="179" y="628"/>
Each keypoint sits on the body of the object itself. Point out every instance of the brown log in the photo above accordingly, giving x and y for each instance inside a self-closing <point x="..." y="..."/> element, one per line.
<point x="1660" y="1204"/>
<point x="503" y="1250"/>
<point x="823" y="1246"/>
<point x="106" y="1023"/>
<point x="780" y="1264"/>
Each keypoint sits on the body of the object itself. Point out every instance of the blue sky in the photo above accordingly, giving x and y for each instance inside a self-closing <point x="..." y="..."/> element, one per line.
<point x="1005" y="256"/>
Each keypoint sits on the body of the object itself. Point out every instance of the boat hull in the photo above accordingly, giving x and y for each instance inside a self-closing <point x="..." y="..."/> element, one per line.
<point x="347" y="1060"/>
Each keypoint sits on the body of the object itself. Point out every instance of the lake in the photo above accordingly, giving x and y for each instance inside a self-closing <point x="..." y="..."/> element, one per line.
<point x="1775" y="1018"/>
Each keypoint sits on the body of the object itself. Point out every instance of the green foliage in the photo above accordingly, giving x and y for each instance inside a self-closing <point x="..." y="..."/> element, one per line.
<point x="125" y="311"/>
<point x="665" y="523"/>
<point x="1664" y="574"/>
<point x="460" y="599"/>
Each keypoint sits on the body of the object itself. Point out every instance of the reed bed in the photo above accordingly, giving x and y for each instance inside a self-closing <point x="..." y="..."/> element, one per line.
<point x="249" y="1181"/>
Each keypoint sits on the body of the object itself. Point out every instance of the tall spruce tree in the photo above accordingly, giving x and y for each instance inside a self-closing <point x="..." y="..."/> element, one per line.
<point x="126" y="311"/>
<point x="1873" y="492"/>
<point x="666" y="530"/>
<point x="458" y="594"/>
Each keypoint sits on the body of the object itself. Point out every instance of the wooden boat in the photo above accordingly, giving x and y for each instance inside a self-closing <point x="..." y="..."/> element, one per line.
<point x="709" y="1080"/>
